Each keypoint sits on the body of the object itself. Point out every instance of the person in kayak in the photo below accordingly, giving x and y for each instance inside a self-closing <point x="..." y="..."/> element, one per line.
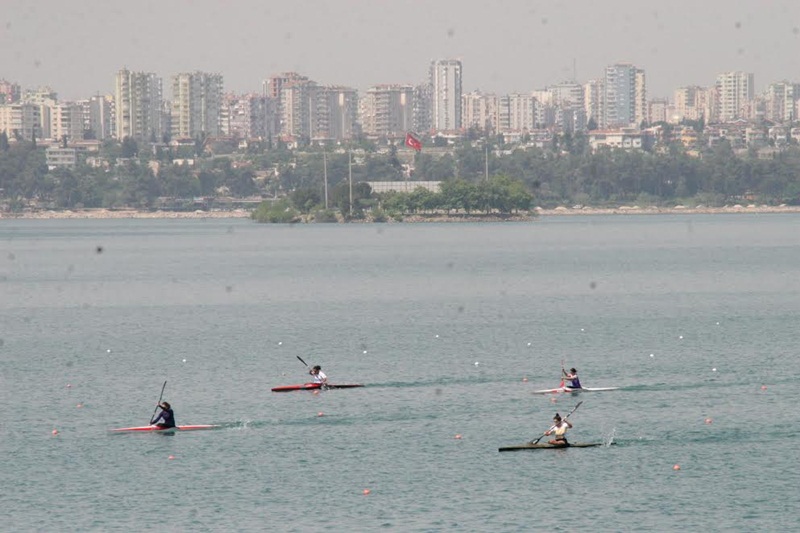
<point x="559" y="429"/>
<point x="572" y="377"/>
<point x="166" y="418"/>
<point x="318" y="375"/>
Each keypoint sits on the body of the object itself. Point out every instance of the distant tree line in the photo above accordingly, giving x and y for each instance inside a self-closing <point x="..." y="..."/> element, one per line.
<point x="565" y="172"/>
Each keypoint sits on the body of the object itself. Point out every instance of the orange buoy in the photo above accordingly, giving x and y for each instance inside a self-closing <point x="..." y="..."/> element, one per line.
<point x="366" y="491"/>
<point x="676" y="467"/>
<point x="320" y="414"/>
<point x="171" y="457"/>
<point x="55" y="432"/>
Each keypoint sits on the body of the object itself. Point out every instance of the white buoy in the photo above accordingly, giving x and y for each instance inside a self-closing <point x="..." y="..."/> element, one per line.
<point x="365" y="351"/>
<point x="108" y="351"/>
<point x="476" y="363"/>
<point x="184" y="360"/>
<point x="280" y="343"/>
<point x="652" y="355"/>
<point x="437" y="335"/>
<point x="713" y="369"/>
<point x="680" y="337"/>
<point x="529" y="344"/>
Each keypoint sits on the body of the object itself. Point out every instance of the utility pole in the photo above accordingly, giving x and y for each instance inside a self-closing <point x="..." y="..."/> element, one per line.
<point x="325" y="175"/>
<point x="350" y="174"/>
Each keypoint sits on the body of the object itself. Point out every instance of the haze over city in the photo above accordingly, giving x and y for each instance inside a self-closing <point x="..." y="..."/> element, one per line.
<point x="510" y="45"/>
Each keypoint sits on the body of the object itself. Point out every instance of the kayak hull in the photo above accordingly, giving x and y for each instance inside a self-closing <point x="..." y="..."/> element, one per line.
<point x="316" y="386"/>
<point x="568" y="389"/>
<point x="545" y="446"/>
<point x="156" y="429"/>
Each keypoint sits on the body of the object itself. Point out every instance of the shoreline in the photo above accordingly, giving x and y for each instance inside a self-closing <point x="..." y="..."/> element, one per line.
<point x="539" y="212"/>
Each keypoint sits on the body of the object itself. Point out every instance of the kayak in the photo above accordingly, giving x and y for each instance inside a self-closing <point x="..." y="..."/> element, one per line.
<point x="568" y="389"/>
<point x="156" y="429"/>
<point x="314" y="386"/>
<point x="545" y="446"/>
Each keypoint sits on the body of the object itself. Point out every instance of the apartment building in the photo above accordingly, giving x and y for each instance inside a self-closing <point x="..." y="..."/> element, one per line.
<point x="387" y="110"/>
<point x="624" y="96"/>
<point x="336" y="116"/>
<point x="138" y="106"/>
<point x="21" y="121"/>
<point x="196" y="105"/>
<point x="480" y="110"/>
<point x="446" y="91"/>
<point x="734" y="92"/>
<point x="781" y="100"/>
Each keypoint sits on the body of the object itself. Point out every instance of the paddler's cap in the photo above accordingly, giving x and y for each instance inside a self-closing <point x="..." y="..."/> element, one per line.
<point x="573" y="370"/>
<point x="165" y="405"/>
<point x="557" y="417"/>
<point x="317" y="367"/>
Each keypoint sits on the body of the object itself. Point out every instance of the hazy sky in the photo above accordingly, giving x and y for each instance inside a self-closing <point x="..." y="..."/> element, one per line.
<point x="76" y="46"/>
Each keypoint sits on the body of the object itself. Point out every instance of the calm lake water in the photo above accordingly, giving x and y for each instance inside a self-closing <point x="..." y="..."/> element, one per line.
<point x="450" y="326"/>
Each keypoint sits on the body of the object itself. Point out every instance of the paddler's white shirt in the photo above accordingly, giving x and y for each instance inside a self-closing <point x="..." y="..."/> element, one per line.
<point x="320" y="377"/>
<point x="561" y="429"/>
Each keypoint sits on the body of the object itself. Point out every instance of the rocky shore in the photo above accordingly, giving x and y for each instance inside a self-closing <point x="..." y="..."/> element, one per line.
<point x="538" y="212"/>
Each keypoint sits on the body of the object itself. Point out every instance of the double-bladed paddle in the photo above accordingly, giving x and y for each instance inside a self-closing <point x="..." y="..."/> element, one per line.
<point x="158" y="404"/>
<point x="553" y="427"/>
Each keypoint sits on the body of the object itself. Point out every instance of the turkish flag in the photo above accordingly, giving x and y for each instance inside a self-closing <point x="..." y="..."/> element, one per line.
<point x="413" y="142"/>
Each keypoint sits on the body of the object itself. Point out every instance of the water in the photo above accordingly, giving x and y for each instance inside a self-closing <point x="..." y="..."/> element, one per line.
<point x="690" y="315"/>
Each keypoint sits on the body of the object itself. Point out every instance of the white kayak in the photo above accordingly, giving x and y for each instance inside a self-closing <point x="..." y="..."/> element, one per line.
<point x="568" y="389"/>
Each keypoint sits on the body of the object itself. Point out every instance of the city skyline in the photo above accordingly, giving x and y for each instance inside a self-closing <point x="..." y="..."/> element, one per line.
<point x="519" y="46"/>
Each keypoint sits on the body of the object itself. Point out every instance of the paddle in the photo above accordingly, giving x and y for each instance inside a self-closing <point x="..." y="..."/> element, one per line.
<point x="158" y="404"/>
<point x="553" y="427"/>
<point x="301" y="360"/>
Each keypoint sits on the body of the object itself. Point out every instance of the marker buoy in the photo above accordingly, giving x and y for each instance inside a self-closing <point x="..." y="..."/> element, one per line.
<point x="69" y="385"/>
<point x="366" y="492"/>
<point x="55" y="432"/>
<point x="676" y="467"/>
<point x="524" y="380"/>
<point x="708" y="420"/>
<point x="320" y="414"/>
<point x="458" y="436"/>
<point x="763" y="387"/>
<point x="79" y="405"/>
<point x="171" y="457"/>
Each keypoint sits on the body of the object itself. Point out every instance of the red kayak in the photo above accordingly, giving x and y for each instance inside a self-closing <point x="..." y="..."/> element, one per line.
<point x="156" y="429"/>
<point x="314" y="386"/>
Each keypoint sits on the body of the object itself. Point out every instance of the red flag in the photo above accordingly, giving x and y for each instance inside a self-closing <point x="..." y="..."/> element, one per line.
<point x="413" y="142"/>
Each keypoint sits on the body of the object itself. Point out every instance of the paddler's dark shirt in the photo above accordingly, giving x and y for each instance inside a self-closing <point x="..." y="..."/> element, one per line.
<point x="167" y="417"/>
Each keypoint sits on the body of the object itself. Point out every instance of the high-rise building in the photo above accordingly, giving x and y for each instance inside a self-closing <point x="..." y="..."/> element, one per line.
<point x="244" y="116"/>
<point x="624" y="96"/>
<point x="445" y="82"/>
<point x="735" y="90"/>
<point x="273" y="90"/>
<point x="479" y="110"/>
<point x="593" y="95"/>
<point x="138" y="106"/>
<point x="98" y="116"/>
<point x="196" y="105"/>
<point x="66" y="120"/>
<point x="9" y="92"/>
<point x="21" y="121"/>
<point x="336" y="113"/>
<point x="388" y="110"/>
<point x="781" y="99"/>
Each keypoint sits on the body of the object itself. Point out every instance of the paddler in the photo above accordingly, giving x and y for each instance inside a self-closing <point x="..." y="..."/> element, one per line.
<point x="572" y="376"/>
<point x="318" y="375"/>
<point x="559" y="428"/>
<point x="166" y="418"/>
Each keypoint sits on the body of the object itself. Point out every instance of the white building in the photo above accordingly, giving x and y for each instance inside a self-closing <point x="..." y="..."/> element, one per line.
<point x="21" y="121"/>
<point x="445" y="82"/>
<point x="735" y="91"/>
<point x="480" y="110"/>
